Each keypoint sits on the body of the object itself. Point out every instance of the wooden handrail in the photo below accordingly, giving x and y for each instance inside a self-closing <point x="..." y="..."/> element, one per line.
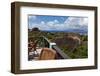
<point x="60" y="52"/>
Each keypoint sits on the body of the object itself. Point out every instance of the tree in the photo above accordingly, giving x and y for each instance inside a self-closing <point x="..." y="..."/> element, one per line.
<point x="35" y="29"/>
<point x="29" y="30"/>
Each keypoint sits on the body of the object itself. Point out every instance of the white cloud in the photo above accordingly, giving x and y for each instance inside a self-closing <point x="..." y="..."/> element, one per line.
<point x="50" y="23"/>
<point x="42" y="22"/>
<point x="42" y="25"/>
<point x="56" y="21"/>
<point x="32" y="18"/>
<point x="84" y="21"/>
<point x="76" y="22"/>
<point x="70" y="23"/>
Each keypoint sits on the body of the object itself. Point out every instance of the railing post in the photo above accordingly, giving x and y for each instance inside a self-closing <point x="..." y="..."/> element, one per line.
<point x="61" y="53"/>
<point x="52" y="44"/>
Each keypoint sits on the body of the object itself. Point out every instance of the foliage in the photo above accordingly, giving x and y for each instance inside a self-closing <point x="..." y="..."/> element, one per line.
<point x="81" y="51"/>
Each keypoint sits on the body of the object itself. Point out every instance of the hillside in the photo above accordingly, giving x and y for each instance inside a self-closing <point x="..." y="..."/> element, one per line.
<point x="73" y="44"/>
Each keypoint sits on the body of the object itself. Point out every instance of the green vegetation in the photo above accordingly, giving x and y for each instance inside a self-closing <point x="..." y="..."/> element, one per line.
<point x="79" y="52"/>
<point x="68" y="46"/>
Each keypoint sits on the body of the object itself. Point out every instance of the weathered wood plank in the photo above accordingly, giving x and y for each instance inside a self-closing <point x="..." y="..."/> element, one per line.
<point x="60" y="52"/>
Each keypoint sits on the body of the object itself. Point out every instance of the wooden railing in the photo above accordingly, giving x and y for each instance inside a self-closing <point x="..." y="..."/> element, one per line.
<point x="44" y="42"/>
<point x="60" y="53"/>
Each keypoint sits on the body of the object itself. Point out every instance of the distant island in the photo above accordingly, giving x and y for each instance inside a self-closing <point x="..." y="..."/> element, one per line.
<point x="80" y="31"/>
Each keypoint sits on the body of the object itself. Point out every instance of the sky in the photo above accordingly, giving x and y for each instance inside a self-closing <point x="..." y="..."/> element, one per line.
<point x="58" y="23"/>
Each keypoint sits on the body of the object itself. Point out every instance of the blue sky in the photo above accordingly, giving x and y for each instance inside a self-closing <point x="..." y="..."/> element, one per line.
<point x="58" y="23"/>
